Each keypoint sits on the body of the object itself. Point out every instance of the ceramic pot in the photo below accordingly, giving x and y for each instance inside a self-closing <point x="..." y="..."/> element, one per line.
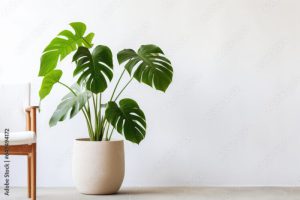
<point x="98" y="166"/>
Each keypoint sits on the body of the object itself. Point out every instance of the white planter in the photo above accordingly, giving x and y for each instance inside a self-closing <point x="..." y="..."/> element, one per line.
<point x="98" y="167"/>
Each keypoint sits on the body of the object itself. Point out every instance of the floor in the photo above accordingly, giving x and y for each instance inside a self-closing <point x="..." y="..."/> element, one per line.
<point x="168" y="193"/>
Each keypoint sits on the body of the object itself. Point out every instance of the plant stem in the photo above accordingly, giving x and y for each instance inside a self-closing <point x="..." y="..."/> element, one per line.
<point x="123" y="89"/>
<point x="104" y="128"/>
<point x="89" y="127"/>
<point x="100" y="101"/>
<point x="67" y="87"/>
<point x="95" y="113"/>
<point x="117" y="85"/>
<point x="111" y="133"/>
<point x="107" y="130"/>
<point x="88" y="110"/>
<point x="99" y="115"/>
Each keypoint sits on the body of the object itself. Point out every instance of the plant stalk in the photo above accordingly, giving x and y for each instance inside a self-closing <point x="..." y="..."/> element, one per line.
<point x="117" y="85"/>
<point x="123" y="89"/>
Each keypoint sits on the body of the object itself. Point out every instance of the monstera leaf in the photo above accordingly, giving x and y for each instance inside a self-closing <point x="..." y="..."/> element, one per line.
<point x="63" y="45"/>
<point x="94" y="68"/>
<point x="128" y="119"/>
<point x="71" y="104"/>
<point x="149" y="64"/>
<point x="49" y="80"/>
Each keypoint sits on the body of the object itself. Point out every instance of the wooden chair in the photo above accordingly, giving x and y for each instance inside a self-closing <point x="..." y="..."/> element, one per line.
<point x="23" y="143"/>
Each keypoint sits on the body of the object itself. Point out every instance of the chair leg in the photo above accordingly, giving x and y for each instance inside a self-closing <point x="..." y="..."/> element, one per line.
<point x="29" y="175"/>
<point x="33" y="172"/>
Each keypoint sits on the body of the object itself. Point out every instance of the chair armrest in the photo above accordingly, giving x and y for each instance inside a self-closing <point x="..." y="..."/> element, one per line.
<point x="31" y="118"/>
<point x="29" y="108"/>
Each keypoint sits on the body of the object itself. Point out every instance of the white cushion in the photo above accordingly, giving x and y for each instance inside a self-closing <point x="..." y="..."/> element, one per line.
<point x="19" y="138"/>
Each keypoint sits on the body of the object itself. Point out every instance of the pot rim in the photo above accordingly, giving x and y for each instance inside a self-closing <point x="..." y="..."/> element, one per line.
<point x="104" y="141"/>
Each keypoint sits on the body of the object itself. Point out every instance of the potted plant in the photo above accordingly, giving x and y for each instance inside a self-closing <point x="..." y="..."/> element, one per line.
<point x="98" y="161"/>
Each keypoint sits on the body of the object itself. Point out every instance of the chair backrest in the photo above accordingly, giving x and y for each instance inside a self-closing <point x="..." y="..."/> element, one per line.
<point x="14" y="98"/>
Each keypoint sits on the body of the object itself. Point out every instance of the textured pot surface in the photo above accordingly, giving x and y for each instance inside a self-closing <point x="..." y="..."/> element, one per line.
<point x="98" y="166"/>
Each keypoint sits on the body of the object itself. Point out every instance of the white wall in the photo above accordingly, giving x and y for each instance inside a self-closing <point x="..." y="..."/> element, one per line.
<point x="231" y="116"/>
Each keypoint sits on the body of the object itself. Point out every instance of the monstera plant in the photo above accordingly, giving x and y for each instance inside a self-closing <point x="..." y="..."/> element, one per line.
<point x="98" y="161"/>
<point x="93" y="71"/>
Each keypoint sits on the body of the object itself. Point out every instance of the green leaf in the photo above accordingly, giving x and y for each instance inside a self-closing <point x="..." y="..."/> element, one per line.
<point x="48" y="81"/>
<point x="94" y="68"/>
<point x="128" y="119"/>
<point x="71" y="104"/>
<point x="149" y="64"/>
<point x="62" y="45"/>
